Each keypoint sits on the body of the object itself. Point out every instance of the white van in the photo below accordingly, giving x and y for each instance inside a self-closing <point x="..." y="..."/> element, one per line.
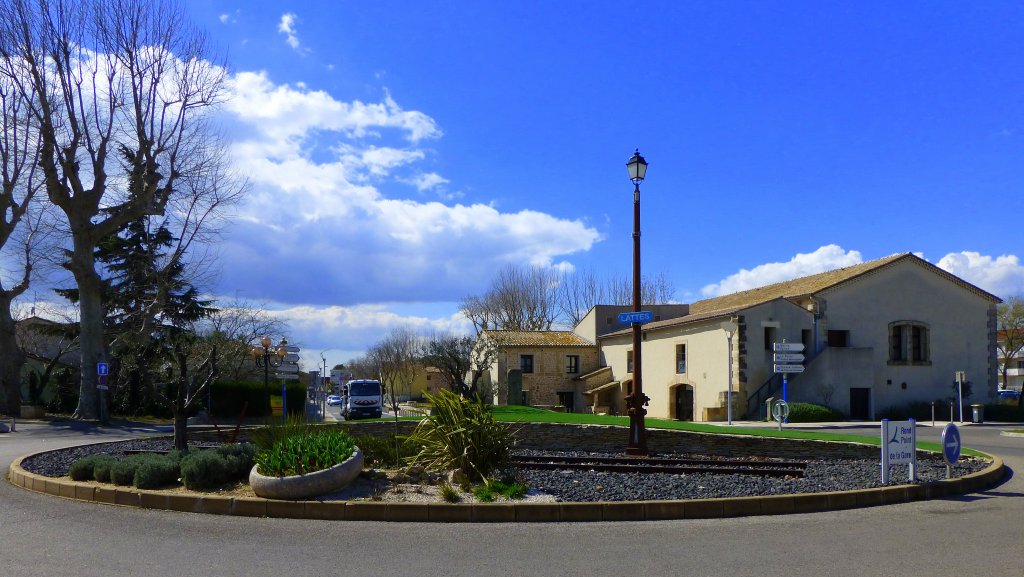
<point x="361" y="398"/>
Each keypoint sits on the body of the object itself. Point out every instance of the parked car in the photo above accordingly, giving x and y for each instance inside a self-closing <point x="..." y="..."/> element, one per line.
<point x="333" y="400"/>
<point x="1008" y="394"/>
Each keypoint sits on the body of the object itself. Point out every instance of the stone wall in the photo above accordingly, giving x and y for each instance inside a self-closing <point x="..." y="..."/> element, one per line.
<point x="605" y="438"/>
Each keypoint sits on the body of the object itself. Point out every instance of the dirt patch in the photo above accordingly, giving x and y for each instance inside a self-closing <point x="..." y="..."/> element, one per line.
<point x="365" y="488"/>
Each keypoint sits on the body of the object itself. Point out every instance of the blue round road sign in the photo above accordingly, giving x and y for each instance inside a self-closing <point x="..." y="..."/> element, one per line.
<point x="951" y="443"/>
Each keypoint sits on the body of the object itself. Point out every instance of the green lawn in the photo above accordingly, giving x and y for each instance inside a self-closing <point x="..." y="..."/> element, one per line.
<point x="522" y="414"/>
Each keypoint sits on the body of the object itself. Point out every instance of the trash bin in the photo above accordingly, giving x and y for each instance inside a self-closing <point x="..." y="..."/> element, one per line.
<point x="977" y="413"/>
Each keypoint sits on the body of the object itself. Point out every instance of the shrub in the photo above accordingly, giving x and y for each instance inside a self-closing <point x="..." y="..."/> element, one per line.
<point x="811" y="413"/>
<point x="84" y="468"/>
<point x="380" y="451"/>
<point x="239" y="458"/>
<point x="1002" y="412"/>
<point x="449" y="493"/>
<point x="101" y="469"/>
<point x="156" y="471"/>
<point x="122" y="472"/>
<point x="461" y="434"/>
<point x="314" y="451"/>
<point x="230" y="396"/>
<point x="204" y="470"/>
<point x="266" y="437"/>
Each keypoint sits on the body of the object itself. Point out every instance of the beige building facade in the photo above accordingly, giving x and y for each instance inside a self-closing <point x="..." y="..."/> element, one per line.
<point x="881" y="334"/>
<point x="551" y="363"/>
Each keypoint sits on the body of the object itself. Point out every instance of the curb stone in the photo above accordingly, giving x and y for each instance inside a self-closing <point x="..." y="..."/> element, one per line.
<point x="509" y="512"/>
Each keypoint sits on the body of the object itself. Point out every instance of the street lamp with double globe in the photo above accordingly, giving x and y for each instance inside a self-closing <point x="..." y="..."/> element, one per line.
<point x="267" y="357"/>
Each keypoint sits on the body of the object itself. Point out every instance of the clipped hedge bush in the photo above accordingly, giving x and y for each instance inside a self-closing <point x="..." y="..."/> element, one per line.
<point x="156" y="471"/>
<point x="812" y="413"/>
<point x="84" y="468"/>
<point x="211" y="468"/>
<point x="229" y="397"/>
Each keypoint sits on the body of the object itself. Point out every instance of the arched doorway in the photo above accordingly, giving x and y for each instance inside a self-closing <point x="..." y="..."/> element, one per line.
<point x="684" y="402"/>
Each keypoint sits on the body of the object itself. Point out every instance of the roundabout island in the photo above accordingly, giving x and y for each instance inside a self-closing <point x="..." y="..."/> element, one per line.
<point x="604" y="501"/>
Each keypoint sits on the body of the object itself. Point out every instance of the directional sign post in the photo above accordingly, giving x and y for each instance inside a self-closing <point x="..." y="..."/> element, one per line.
<point x="950" y="447"/>
<point x="785" y="361"/>
<point x="636" y="317"/>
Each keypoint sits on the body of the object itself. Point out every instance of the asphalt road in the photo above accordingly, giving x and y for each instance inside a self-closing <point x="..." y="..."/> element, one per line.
<point x="971" y="535"/>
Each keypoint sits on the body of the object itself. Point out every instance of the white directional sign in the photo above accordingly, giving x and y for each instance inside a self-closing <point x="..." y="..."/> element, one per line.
<point x="899" y="446"/>
<point x="292" y="358"/>
<point x="788" y="368"/>
<point x="788" y="347"/>
<point x="288" y="369"/>
<point x="788" y="358"/>
<point x="286" y="377"/>
<point x="291" y="348"/>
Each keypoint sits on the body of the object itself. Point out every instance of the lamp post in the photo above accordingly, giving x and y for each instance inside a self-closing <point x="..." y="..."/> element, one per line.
<point x="267" y="357"/>
<point x="636" y="400"/>
<point x="730" y="327"/>
<point x="321" y="389"/>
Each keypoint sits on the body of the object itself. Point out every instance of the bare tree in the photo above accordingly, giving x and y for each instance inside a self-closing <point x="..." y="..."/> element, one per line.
<point x="519" y="299"/>
<point x="656" y="291"/>
<point x="459" y="357"/>
<point x="1010" y="338"/>
<point x="101" y="76"/>
<point x="19" y="146"/>
<point x="578" y="292"/>
<point x="235" y="328"/>
<point x="396" y="360"/>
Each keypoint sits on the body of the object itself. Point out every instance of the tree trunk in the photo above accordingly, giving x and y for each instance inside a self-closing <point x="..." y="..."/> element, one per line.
<point x="11" y="361"/>
<point x="90" y="302"/>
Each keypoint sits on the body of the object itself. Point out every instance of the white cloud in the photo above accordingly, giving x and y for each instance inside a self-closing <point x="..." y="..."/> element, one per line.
<point x="315" y="164"/>
<point x="427" y="181"/>
<point x="826" y="258"/>
<point x="287" y="27"/>
<point x="224" y="18"/>
<point x="286" y="113"/>
<point x="349" y="331"/>
<point x="1002" y="276"/>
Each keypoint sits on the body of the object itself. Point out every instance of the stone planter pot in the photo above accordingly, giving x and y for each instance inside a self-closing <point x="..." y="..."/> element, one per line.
<point x="310" y="484"/>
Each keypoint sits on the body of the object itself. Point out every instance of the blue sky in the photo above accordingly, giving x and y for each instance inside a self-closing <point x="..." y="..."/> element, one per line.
<point x="401" y="152"/>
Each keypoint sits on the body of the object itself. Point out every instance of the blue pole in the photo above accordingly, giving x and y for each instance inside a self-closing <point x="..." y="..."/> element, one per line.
<point x="284" y="400"/>
<point x="785" y="398"/>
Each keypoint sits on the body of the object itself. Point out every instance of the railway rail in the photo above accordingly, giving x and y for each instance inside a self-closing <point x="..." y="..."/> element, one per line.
<point x="664" y="465"/>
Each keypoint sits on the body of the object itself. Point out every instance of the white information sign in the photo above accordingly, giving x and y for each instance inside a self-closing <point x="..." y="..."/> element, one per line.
<point x="788" y="347"/>
<point x="899" y="447"/>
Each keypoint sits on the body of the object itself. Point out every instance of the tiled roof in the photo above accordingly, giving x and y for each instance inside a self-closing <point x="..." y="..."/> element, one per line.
<point x="791" y="288"/>
<point x="808" y="285"/>
<point x="537" y="339"/>
<point x="817" y="282"/>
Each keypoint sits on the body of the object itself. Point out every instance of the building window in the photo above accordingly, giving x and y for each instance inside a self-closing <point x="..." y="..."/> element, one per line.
<point x="839" y="339"/>
<point x="769" y="338"/>
<point x="629" y="361"/>
<point x="908" y="343"/>
<point x="526" y="363"/>
<point x="680" y="359"/>
<point x="572" y="364"/>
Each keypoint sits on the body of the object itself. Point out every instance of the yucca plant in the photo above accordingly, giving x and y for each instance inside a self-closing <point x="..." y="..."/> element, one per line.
<point x="461" y="434"/>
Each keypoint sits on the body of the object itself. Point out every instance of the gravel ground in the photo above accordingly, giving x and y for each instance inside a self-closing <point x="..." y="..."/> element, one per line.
<point x="563" y="485"/>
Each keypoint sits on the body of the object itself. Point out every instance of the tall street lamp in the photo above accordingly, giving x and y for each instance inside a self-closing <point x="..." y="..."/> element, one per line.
<point x="636" y="400"/>
<point x="266" y="358"/>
